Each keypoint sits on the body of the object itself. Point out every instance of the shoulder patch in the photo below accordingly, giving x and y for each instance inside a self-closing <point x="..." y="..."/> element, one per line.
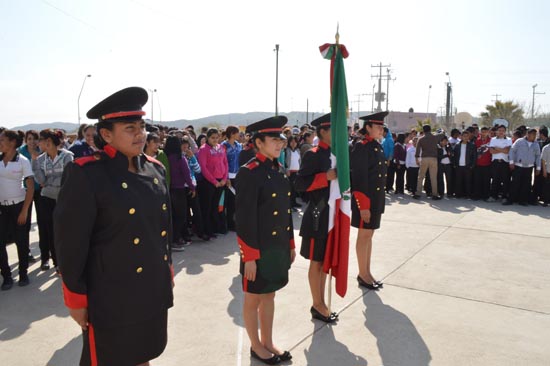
<point x="251" y="165"/>
<point x="153" y="160"/>
<point x="88" y="159"/>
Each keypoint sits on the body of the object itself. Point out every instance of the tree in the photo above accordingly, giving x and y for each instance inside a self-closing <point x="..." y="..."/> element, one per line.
<point x="508" y="110"/>
<point x="422" y="122"/>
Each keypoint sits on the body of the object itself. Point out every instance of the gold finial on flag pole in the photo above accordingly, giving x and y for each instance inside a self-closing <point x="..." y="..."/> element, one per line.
<point x="337" y="36"/>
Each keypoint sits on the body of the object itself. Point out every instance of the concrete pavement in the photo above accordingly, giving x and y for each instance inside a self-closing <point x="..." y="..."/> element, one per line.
<point x="466" y="283"/>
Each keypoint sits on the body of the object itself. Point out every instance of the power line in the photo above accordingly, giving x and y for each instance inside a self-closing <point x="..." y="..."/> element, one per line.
<point x="496" y="97"/>
<point x="69" y="15"/>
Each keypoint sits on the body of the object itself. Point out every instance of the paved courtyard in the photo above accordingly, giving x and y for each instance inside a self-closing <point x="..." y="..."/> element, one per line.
<point x="465" y="283"/>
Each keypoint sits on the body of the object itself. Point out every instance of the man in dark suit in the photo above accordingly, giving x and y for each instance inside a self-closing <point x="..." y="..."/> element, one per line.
<point x="464" y="161"/>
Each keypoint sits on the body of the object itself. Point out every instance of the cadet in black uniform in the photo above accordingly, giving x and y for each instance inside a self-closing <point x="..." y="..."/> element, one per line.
<point x="368" y="172"/>
<point x="265" y="235"/>
<point x="112" y="229"/>
<point x="313" y="177"/>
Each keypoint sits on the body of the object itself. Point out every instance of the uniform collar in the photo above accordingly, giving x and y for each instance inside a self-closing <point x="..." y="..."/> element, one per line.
<point x="122" y="160"/>
<point x="367" y="139"/>
<point x="273" y="164"/>
<point x="323" y="145"/>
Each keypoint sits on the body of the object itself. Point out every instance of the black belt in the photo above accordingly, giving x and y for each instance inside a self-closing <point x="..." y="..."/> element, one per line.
<point x="500" y="161"/>
<point x="9" y="203"/>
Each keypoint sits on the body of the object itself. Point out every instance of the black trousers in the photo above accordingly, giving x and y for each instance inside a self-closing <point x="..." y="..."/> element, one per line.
<point x="8" y="222"/>
<point x="178" y="196"/>
<point x="209" y="199"/>
<point x="500" y="172"/>
<point x="538" y="188"/>
<point x="444" y="171"/>
<point x="463" y="182"/>
<point x="390" y="178"/>
<point x="47" y="247"/>
<point x="546" y="189"/>
<point x="230" y="207"/>
<point x="520" y="189"/>
<point x="194" y="214"/>
<point x="412" y="178"/>
<point x="292" y="180"/>
<point x="400" y="178"/>
<point x="482" y="182"/>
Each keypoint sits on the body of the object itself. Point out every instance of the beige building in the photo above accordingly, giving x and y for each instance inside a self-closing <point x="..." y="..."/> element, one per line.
<point x="405" y="121"/>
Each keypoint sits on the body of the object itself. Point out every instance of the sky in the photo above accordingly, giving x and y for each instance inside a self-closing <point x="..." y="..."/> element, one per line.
<point x="215" y="57"/>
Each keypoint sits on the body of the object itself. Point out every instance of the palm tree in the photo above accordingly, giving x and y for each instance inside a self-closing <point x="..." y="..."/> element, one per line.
<point x="508" y="110"/>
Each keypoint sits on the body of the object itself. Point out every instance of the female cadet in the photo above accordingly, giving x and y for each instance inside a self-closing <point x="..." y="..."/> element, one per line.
<point x="368" y="176"/>
<point x="313" y="179"/>
<point x="112" y="228"/>
<point x="265" y="236"/>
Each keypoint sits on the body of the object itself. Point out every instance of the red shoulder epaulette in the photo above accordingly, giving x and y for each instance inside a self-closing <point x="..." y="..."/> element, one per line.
<point x="314" y="149"/>
<point x="153" y="160"/>
<point x="88" y="159"/>
<point x="251" y="165"/>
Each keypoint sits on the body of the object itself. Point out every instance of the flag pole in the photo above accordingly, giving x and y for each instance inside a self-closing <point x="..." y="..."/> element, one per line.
<point x="337" y="36"/>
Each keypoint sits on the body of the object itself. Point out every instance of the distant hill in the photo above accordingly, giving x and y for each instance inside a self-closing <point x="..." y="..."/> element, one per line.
<point x="238" y="119"/>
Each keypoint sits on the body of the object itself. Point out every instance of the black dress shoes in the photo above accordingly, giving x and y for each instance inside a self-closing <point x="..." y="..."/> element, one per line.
<point x="7" y="284"/>
<point x="275" y="360"/>
<point x="370" y="286"/>
<point x="286" y="356"/>
<point x="315" y="314"/>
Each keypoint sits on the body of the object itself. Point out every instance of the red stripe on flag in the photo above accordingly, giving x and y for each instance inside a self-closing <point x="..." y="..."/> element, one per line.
<point x="337" y="251"/>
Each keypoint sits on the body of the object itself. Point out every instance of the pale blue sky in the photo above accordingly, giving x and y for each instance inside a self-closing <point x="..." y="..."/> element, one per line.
<point x="213" y="57"/>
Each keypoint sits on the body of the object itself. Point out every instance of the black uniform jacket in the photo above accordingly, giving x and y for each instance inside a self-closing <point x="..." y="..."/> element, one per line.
<point x="471" y="155"/>
<point x="112" y="231"/>
<point x="248" y="152"/>
<point x="312" y="178"/>
<point x="368" y="172"/>
<point x="263" y="219"/>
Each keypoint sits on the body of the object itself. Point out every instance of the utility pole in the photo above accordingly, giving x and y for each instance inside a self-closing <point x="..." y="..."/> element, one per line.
<point x="448" y="106"/>
<point x="533" y="106"/>
<point x="379" y="96"/>
<point x="496" y="97"/>
<point x="276" y="79"/>
<point x="388" y="78"/>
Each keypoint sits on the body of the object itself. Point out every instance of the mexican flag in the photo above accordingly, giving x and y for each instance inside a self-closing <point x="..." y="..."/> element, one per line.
<point x="337" y="252"/>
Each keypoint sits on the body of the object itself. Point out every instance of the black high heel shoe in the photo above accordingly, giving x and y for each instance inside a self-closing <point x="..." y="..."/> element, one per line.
<point x="370" y="286"/>
<point x="275" y="360"/>
<point x="327" y="319"/>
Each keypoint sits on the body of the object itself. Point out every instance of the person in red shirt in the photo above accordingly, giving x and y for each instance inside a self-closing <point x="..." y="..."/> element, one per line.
<point x="482" y="170"/>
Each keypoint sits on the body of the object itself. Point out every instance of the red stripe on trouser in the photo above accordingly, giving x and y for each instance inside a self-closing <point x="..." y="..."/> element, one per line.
<point x="91" y="341"/>
<point x="245" y="285"/>
<point x="311" y="245"/>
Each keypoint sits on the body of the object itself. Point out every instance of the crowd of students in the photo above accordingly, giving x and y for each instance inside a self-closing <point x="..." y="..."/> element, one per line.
<point x="477" y="163"/>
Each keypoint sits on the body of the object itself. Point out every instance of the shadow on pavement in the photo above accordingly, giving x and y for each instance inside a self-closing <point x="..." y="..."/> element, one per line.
<point x="398" y="341"/>
<point x="22" y="306"/>
<point x="67" y="355"/>
<point x="325" y="350"/>
<point x="235" y="306"/>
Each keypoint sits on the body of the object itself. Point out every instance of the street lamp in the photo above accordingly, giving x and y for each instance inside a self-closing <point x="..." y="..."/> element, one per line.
<point x="152" y="91"/>
<point x="276" y="78"/>
<point x="160" y="110"/>
<point x="78" y="101"/>
<point x="533" y="107"/>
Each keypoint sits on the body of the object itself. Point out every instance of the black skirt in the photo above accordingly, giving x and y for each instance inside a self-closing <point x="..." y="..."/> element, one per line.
<point x="373" y="224"/>
<point x="125" y="346"/>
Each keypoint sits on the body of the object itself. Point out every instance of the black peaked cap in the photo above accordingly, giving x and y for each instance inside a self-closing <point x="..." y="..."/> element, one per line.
<point x="120" y="105"/>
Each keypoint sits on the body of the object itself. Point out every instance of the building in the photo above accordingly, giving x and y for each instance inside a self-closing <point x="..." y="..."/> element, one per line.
<point x="404" y="121"/>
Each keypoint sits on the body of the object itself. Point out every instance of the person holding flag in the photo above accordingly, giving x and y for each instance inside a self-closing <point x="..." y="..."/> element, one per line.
<point x="368" y="177"/>
<point x="313" y="178"/>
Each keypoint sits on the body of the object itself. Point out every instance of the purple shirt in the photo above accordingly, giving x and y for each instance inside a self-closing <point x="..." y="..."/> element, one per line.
<point x="180" y="175"/>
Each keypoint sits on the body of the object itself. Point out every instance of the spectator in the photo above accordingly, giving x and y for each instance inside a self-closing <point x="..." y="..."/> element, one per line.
<point x="232" y="149"/>
<point x="444" y="169"/>
<point x="292" y="165"/>
<point x="15" y="175"/>
<point x="482" y="170"/>
<point x="180" y="177"/>
<point x="152" y="149"/>
<point x="464" y="161"/>
<point x="400" y="155"/>
<point x="307" y="143"/>
<point x="538" y="185"/>
<point x="427" y="149"/>
<point x="48" y="169"/>
<point x="545" y="166"/>
<point x="388" y="147"/>
<point x="193" y="202"/>
<point x="412" y="166"/>
<point x="86" y="146"/>
<point x="524" y="156"/>
<point x="499" y="147"/>
<point x="214" y="168"/>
